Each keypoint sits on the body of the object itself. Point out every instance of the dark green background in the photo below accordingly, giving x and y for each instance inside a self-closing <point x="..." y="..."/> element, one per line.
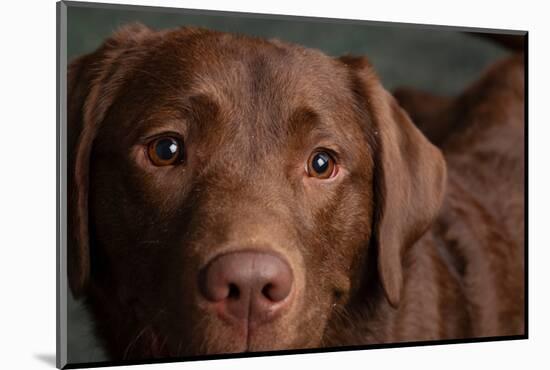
<point x="436" y="59"/>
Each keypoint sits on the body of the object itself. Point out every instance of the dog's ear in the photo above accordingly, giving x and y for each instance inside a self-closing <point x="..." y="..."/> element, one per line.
<point x="93" y="82"/>
<point x="409" y="176"/>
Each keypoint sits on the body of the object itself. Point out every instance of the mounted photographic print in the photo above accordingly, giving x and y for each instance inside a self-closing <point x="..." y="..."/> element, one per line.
<point x="236" y="184"/>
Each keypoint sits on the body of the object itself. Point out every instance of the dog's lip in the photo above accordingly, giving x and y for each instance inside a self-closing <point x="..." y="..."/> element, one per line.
<point x="243" y="344"/>
<point x="245" y="333"/>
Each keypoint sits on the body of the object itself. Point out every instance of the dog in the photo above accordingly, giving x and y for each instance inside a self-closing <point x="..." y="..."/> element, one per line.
<point x="232" y="194"/>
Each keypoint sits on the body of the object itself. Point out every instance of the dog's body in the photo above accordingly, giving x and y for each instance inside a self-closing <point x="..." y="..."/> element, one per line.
<point x="482" y="220"/>
<point x="476" y="244"/>
<point x="232" y="194"/>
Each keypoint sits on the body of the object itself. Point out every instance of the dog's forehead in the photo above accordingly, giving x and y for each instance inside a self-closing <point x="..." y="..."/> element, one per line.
<point x="263" y="76"/>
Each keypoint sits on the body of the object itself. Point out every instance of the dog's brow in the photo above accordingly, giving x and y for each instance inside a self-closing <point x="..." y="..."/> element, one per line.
<point x="303" y="120"/>
<point x="194" y="110"/>
<point x="306" y="122"/>
<point x="200" y="108"/>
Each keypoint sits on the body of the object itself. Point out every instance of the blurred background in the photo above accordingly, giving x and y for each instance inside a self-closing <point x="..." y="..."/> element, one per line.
<point x="433" y="59"/>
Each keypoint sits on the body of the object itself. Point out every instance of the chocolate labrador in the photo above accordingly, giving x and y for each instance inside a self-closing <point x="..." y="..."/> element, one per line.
<point x="232" y="194"/>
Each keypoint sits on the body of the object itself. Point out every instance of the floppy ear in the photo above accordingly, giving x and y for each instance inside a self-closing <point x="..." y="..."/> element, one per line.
<point x="409" y="177"/>
<point x="92" y="84"/>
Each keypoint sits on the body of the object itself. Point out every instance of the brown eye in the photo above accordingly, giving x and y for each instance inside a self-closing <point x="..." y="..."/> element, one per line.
<point x="321" y="165"/>
<point x="165" y="151"/>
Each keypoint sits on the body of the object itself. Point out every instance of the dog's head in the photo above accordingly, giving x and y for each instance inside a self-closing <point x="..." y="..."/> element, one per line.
<point x="233" y="194"/>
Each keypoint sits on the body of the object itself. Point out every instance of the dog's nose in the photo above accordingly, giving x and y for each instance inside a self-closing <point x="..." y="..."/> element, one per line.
<point x="248" y="285"/>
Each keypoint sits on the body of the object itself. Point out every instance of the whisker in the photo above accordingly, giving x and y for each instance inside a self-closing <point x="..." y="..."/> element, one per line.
<point x="148" y="326"/>
<point x="134" y="341"/>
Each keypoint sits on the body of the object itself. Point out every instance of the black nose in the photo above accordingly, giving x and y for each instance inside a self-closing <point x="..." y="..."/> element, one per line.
<point x="248" y="285"/>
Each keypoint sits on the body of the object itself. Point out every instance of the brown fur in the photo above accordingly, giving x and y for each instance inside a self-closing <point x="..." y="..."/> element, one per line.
<point x="375" y="258"/>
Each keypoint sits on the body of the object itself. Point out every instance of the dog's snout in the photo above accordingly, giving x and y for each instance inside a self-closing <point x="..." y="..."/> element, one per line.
<point x="248" y="285"/>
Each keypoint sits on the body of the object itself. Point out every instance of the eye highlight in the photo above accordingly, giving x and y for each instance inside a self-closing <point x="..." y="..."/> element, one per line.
<point x="165" y="151"/>
<point x="321" y="165"/>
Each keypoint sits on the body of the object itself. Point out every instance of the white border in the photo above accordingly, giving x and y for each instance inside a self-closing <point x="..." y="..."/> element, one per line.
<point x="27" y="181"/>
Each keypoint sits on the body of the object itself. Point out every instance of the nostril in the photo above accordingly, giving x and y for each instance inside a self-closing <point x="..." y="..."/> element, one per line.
<point x="277" y="291"/>
<point x="266" y="291"/>
<point x="234" y="292"/>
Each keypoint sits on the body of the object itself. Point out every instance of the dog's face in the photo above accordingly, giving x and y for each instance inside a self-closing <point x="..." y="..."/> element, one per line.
<point x="228" y="192"/>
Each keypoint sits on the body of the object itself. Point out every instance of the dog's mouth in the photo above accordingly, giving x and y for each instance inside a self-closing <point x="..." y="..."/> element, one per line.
<point x="151" y="343"/>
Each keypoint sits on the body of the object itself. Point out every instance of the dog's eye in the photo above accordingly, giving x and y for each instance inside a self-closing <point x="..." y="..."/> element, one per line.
<point x="321" y="165"/>
<point x="165" y="151"/>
